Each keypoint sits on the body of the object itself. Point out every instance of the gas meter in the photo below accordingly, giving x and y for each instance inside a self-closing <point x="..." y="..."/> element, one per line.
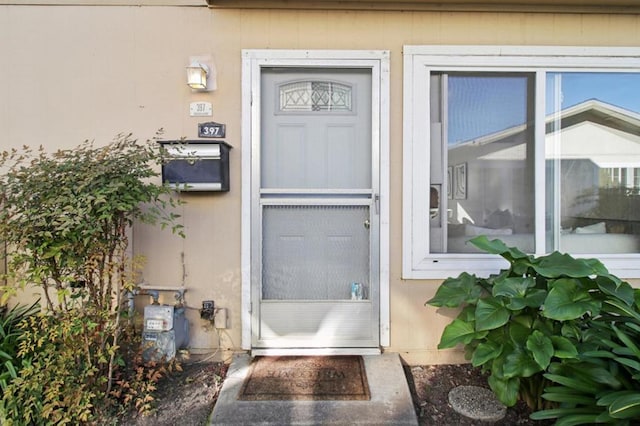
<point x="165" y="331"/>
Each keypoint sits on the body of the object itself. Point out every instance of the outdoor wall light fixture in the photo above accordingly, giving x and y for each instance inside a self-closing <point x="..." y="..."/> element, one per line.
<point x="201" y="73"/>
<point x="197" y="76"/>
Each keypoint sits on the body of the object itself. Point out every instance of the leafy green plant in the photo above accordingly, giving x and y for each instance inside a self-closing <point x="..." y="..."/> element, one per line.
<point x="65" y="217"/>
<point x="59" y="382"/>
<point x="602" y="385"/>
<point x="516" y="323"/>
<point x="10" y="333"/>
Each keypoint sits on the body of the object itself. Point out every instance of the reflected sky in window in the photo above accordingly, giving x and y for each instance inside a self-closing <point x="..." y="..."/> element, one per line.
<point x="486" y="103"/>
<point x="483" y="104"/>
<point x="618" y="89"/>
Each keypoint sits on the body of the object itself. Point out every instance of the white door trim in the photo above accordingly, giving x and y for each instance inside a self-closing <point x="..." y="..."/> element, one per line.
<point x="252" y="62"/>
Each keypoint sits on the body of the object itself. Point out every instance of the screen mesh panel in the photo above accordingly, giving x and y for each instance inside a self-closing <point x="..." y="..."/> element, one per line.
<point x="314" y="252"/>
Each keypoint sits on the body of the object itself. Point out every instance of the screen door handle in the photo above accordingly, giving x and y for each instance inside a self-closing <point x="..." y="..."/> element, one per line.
<point x="367" y="224"/>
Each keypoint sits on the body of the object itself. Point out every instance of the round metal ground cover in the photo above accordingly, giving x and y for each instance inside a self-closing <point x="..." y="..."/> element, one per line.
<point x="476" y="403"/>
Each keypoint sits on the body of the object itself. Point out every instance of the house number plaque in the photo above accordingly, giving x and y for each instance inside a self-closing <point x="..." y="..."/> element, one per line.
<point x="211" y="130"/>
<point x="200" y="109"/>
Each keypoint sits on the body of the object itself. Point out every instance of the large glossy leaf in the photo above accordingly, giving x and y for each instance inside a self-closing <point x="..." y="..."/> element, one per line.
<point x="560" y="412"/>
<point x="453" y="292"/>
<point x="485" y="352"/>
<point x="458" y="332"/>
<point x="491" y="314"/>
<point x="497" y="364"/>
<point x="570" y="382"/>
<point x="11" y="369"/>
<point x="598" y="354"/>
<point x="594" y="339"/>
<point x="513" y="286"/>
<point x="613" y="286"/>
<point x="545" y="325"/>
<point x="631" y="363"/>
<point x="519" y="363"/>
<point x="571" y="330"/>
<point x="516" y="290"/>
<point x="578" y="419"/>
<point x="512" y="254"/>
<point x="524" y="320"/>
<point x="598" y="375"/>
<point x="587" y="376"/>
<point x="620" y="308"/>
<point x="627" y="340"/>
<point x="506" y="390"/>
<point x="598" y="268"/>
<point x="490" y="246"/>
<point x="563" y="347"/>
<point x="468" y="313"/>
<point x="535" y="298"/>
<point x="565" y="390"/>
<point x="626" y="407"/>
<point x="541" y="348"/>
<point x="605" y="417"/>
<point x="567" y="398"/>
<point x="519" y="333"/>
<point x="607" y="398"/>
<point x="556" y="265"/>
<point x="568" y="301"/>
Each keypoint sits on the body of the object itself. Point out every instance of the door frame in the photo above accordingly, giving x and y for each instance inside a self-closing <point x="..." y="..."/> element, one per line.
<point x="253" y="60"/>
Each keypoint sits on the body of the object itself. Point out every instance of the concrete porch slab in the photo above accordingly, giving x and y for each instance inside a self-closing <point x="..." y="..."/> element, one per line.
<point x="390" y="402"/>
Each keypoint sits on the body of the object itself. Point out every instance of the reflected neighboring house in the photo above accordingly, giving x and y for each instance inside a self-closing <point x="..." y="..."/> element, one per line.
<point x="592" y="153"/>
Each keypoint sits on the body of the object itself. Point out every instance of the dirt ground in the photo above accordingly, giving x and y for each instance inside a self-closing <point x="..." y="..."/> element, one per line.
<point x="184" y="398"/>
<point x="187" y="398"/>
<point x="430" y="386"/>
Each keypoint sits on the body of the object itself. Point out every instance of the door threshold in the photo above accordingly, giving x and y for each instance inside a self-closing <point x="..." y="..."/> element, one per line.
<point x="313" y="351"/>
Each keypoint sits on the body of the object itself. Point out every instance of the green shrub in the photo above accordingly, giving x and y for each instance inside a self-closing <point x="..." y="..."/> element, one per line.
<point x="10" y="333"/>
<point x="602" y="385"/>
<point x="59" y="380"/>
<point x="65" y="217"/>
<point x="516" y="323"/>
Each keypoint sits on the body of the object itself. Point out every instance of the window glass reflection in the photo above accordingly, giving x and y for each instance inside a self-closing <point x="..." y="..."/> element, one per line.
<point x="593" y="162"/>
<point x="489" y="162"/>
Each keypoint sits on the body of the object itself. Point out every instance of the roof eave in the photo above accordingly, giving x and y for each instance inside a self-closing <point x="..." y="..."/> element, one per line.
<point x="557" y="6"/>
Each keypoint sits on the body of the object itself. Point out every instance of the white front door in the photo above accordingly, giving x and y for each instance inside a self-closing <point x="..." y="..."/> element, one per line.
<point x="315" y="216"/>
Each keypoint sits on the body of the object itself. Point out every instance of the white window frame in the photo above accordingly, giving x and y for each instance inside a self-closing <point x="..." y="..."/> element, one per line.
<point x="419" y="63"/>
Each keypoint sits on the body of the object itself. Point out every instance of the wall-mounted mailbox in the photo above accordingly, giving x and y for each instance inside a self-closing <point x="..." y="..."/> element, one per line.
<point x="197" y="165"/>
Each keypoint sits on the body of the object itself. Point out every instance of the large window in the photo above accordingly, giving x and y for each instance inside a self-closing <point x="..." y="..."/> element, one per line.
<point x="539" y="147"/>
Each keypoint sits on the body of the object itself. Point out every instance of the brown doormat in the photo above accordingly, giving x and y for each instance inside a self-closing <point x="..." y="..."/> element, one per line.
<point x="313" y="378"/>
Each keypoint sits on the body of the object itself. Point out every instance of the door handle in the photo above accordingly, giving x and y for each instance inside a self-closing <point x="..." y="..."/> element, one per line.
<point x="367" y="224"/>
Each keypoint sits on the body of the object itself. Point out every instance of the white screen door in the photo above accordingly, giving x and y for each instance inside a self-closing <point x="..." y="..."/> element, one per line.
<point x="316" y="227"/>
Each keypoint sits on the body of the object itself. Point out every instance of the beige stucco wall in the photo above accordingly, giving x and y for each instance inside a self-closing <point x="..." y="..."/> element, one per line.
<point x="69" y="73"/>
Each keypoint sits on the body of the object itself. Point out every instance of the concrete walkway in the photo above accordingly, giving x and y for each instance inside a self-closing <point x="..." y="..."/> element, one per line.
<point x="390" y="402"/>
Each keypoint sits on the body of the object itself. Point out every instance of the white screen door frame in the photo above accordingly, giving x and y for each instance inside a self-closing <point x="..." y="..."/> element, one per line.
<point x="254" y="63"/>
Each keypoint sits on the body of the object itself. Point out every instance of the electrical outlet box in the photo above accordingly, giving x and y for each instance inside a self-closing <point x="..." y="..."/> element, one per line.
<point x="207" y="312"/>
<point x="221" y="318"/>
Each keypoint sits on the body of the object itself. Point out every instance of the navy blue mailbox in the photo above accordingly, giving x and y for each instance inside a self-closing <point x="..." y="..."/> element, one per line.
<point x="195" y="165"/>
